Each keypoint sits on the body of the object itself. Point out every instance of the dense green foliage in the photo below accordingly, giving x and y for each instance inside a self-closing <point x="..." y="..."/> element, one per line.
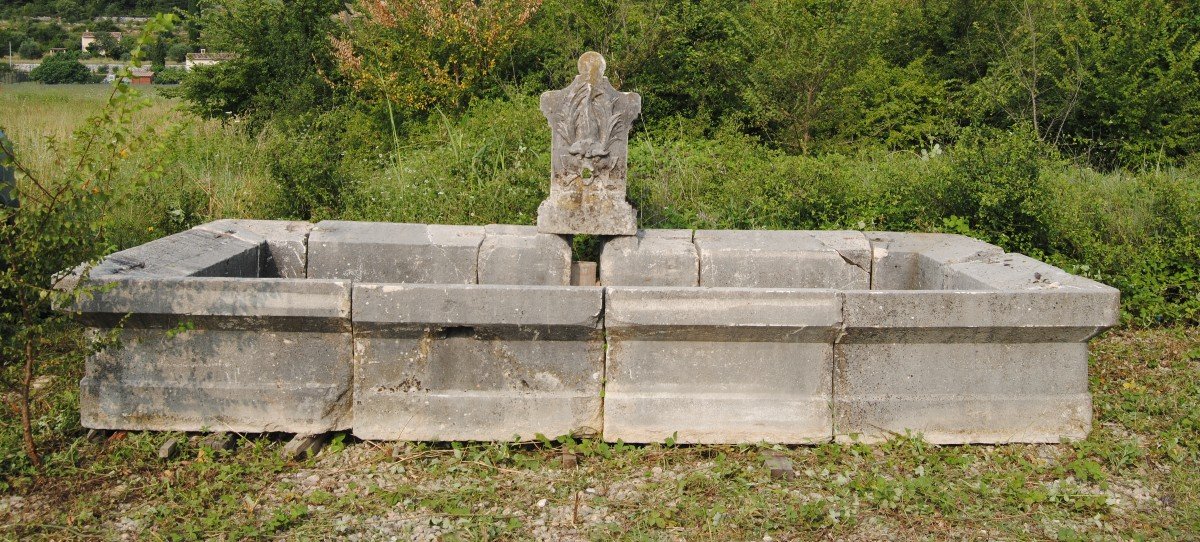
<point x="43" y="35"/>
<point x="168" y="76"/>
<point x="64" y="26"/>
<point x="282" y="63"/>
<point x="78" y="10"/>
<point x="1064" y="129"/>
<point x="60" y="69"/>
<point x="30" y="49"/>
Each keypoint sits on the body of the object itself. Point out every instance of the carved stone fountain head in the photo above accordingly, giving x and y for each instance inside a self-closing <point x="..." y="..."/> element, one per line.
<point x="590" y="122"/>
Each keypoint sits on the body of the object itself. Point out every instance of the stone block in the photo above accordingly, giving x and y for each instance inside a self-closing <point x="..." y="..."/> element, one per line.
<point x="166" y="301"/>
<point x="917" y="261"/>
<point x="853" y="246"/>
<point x="396" y="253"/>
<point x="304" y="446"/>
<point x="521" y="255"/>
<point x="1020" y="273"/>
<point x="169" y="449"/>
<point x="190" y="253"/>
<point x="960" y="393"/>
<point x="217" y="354"/>
<point x="584" y="274"/>
<point x="967" y="366"/>
<point x="651" y="258"/>
<point x="719" y="365"/>
<point x="783" y="259"/>
<point x="486" y="362"/>
<point x="979" y="315"/>
<point x="286" y="254"/>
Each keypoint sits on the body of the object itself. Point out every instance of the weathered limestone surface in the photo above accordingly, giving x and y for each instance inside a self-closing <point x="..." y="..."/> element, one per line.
<point x="453" y="362"/>
<point x="197" y="252"/>
<point x="1017" y="272"/>
<point x="584" y="274"/>
<point x="651" y="258"/>
<point x="917" y="261"/>
<point x="1006" y="362"/>
<point x="521" y="255"/>
<point x="939" y="334"/>
<point x="784" y="259"/>
<point x="386" y="252"/>
<point x="719" y="365"/>
<point x="220" y="354"/>
<point x="286" y="254"/>
<point x="590" y="123"/>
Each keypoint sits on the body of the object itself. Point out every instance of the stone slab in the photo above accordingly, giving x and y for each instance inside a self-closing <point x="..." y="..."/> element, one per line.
<point x="964" y="316"/>
<point x="286" y="254"/>
<point x="452" y="362"/>
<point x="226" y="380"/>
<point x="215" y="354"/>
<point x="967" y="366"/>
<point x="249" y="303"/>
<point x="190" y="253"/>
<point x="396" y="253"/>
<point x="782" y="259"/>
<point x="1020" y="273"/>
<point x="852" y="246"/>
<point x="651" y="258"/>
<point x="719" y="365"/>
<point x="959" y="393"/>
<point x="521" y="255"/>
<point x="917" y="261"/>
<point x="585" y="274"/>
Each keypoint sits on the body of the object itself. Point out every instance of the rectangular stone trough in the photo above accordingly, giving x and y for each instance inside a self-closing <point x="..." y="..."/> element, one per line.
<point x="426" y="332"/>
<point x="214" y="338"/>
<point x="810" y="336"/>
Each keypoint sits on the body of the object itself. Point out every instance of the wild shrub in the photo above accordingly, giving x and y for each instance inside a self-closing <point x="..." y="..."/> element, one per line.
<point x="282" y="59"/>
<point x="414" y="57"/>
<point x="61" y="69"/>
<point x="169" y="76"/>
<point x="995" y="184"/>
<point x="59" y="224"/>
<point x="306" y="165"/>
<point x="30" y="49"/>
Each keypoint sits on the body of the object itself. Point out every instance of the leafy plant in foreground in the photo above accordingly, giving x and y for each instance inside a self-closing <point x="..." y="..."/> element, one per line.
<point x="58" y="225"/>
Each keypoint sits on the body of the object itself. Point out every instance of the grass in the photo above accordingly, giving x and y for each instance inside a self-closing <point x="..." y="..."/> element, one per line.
<point x="1134" y="477"/>
<point x="208" y="170"/>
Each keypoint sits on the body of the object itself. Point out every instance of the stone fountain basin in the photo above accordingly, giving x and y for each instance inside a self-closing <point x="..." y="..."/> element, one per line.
<point x="425" y="332"/>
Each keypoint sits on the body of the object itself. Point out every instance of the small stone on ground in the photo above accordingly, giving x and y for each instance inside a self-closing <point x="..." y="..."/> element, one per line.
<point x="220" y="442"/>
<point x="302" y="446"/>
<point x="780" y="466"/>
<point x="169" y="449"/>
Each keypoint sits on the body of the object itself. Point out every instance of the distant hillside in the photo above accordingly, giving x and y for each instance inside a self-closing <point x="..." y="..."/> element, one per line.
<point x="77" y="10"/>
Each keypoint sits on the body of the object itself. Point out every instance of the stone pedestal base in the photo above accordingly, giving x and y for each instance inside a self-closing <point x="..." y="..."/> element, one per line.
<point x="600" y="216"/>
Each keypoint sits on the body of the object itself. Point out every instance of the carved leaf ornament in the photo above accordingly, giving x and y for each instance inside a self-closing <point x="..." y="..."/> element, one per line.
<point x="588" y="125"/>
